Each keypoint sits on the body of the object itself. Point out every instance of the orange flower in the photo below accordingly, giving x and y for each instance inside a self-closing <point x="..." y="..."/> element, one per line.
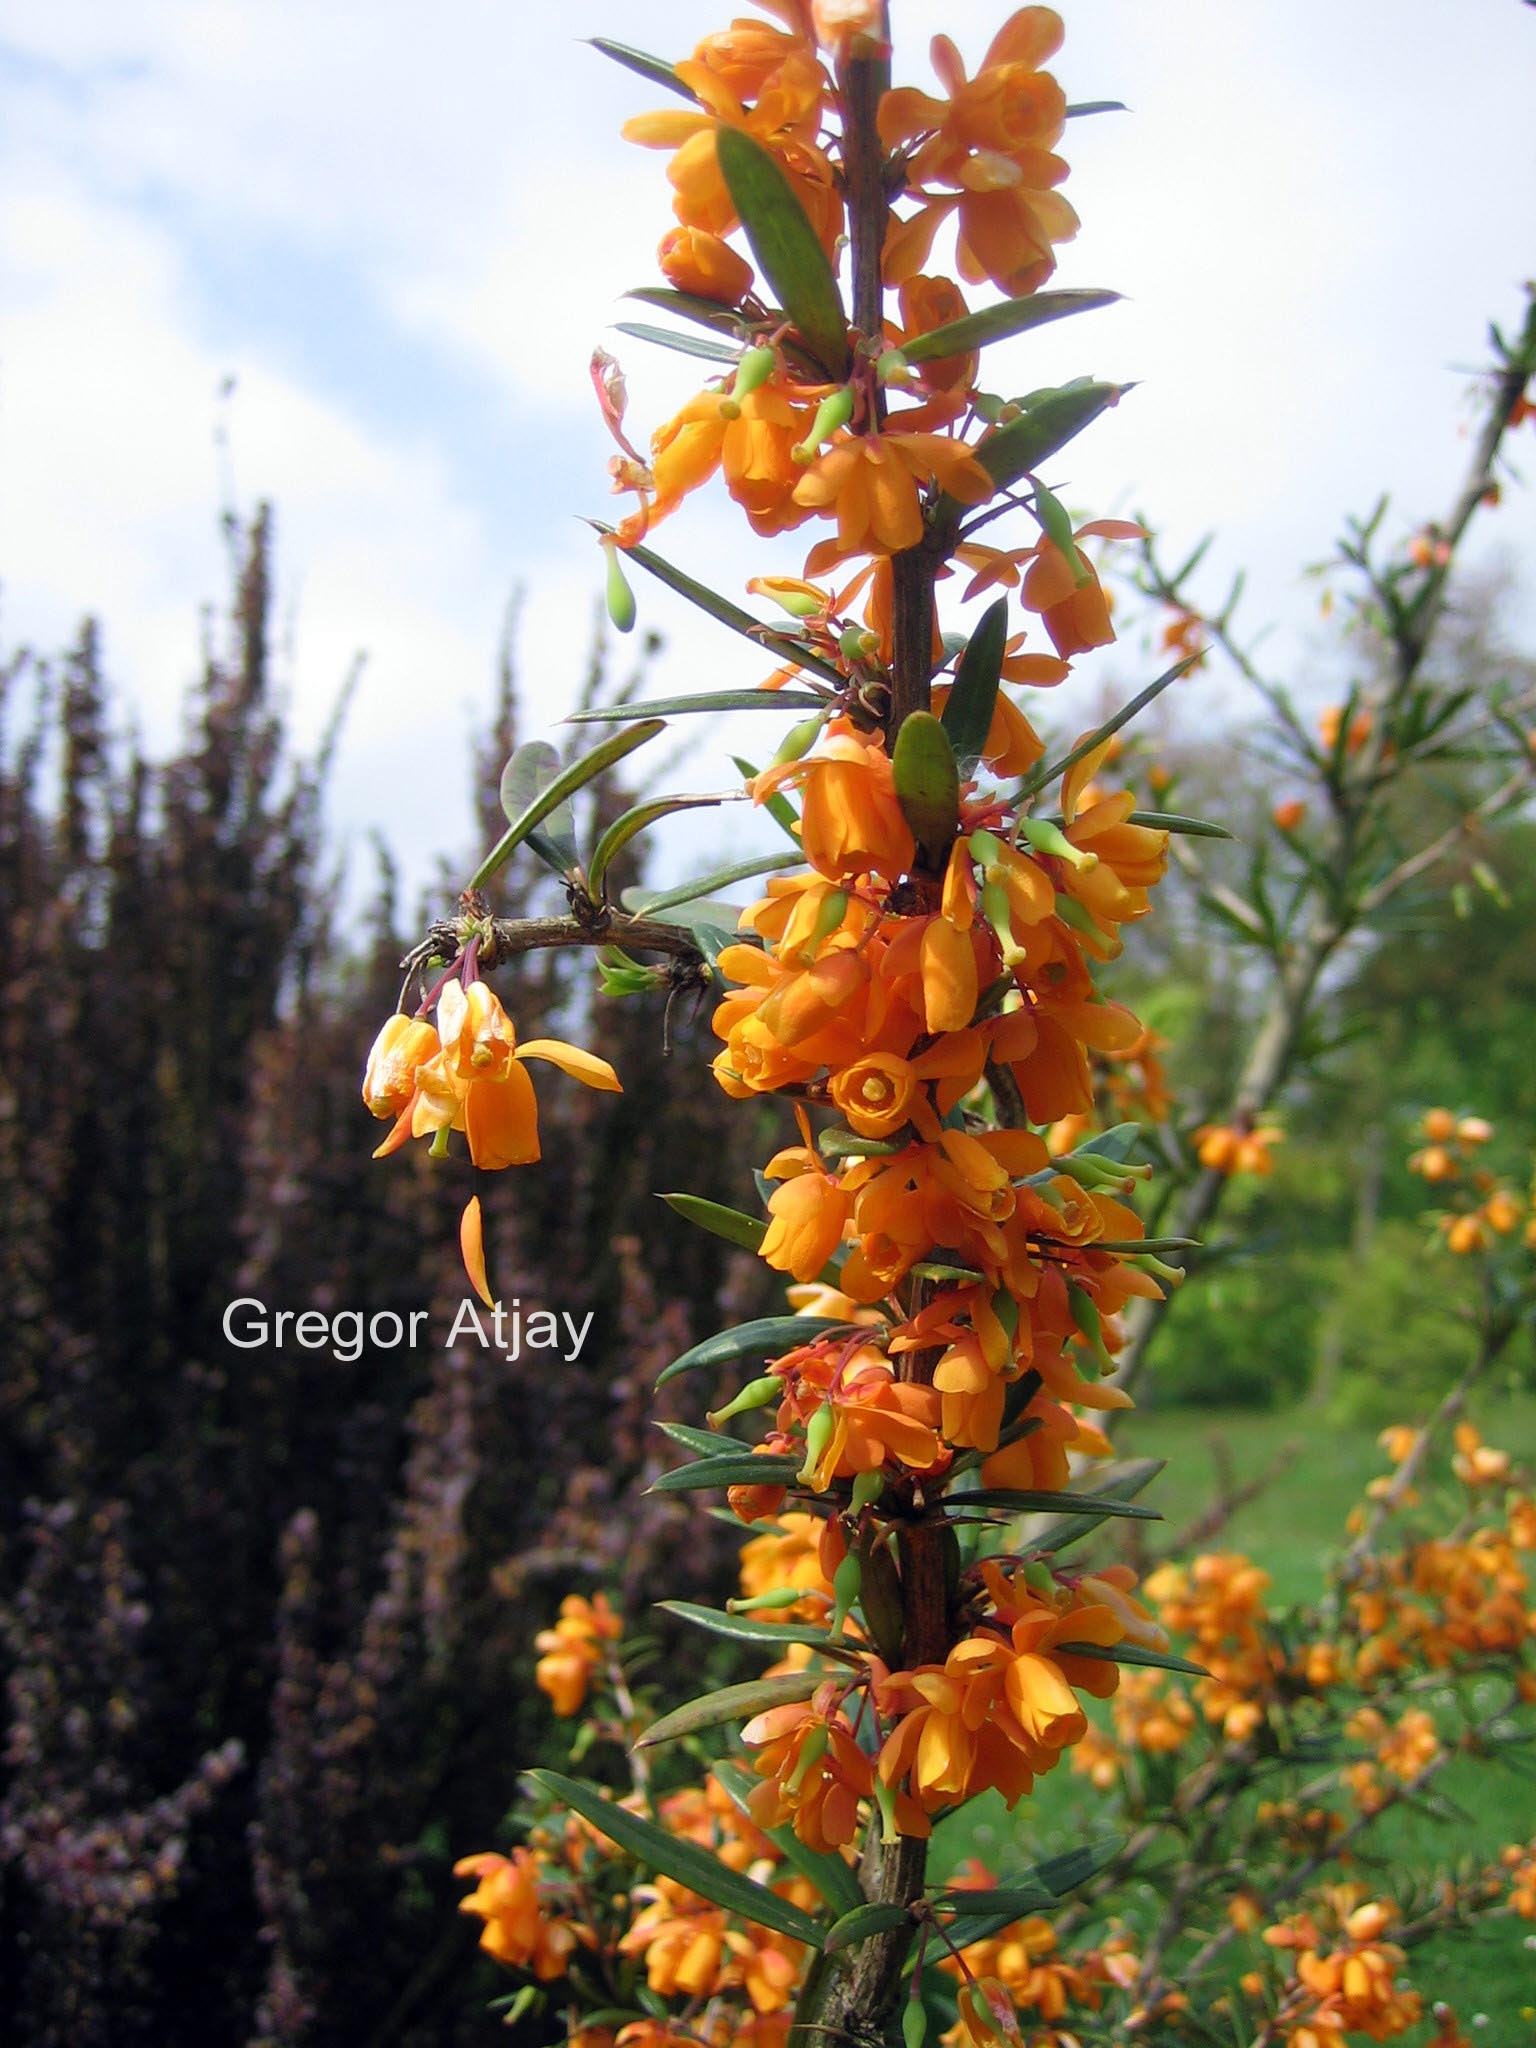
<point x="1231" y="1148"/>
<point x="516" y="1931"/>
<point x="750" y="438"/>
<point x="927" y="303"/>
<point x="401" y="1048"/>
<point x="572" y="1650"/>
<point x="477" y="1083"/>
<point x="694" y="260"/>
<point x="990" y="143"/>
<point x="871" y="483"/>
<point x="815" y="1772"/>
<point x="851" y="823"/>
<point x="857" y="1415"/>
<point x="808" y="1212"/>
<point x="782" y="74"/>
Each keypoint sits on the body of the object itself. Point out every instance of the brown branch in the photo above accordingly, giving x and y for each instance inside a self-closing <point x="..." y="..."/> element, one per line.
<point x="1280" y="1034"/>
<point x="1494" y="1337"/>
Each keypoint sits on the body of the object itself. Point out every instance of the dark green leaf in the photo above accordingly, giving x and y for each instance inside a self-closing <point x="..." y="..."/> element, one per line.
<point x="644" y="903"/>
<point x="639" y="818"/>
<point x="1077" y="108"/>
<point x="1131" y="1653"/>
<point x="1122" y="1483"/>
<point x="1031" y="1891"/>
<point x="1056" y="418"/>
<point x="656" y="69"/>
<point x="710" y="700"/>
<point x="830" y="1874"/>
<point x="1175" y="821"/>
<point x="565" y="785"/>
<point x="927" y="783"/>
<point x="728" y="614"/>
<point x="746" y="1628"/>
<point x="778" y="806"/>
<point x="732" y="1703"/>
<point x="786" y="247"/>
<point x="1002" y="1903"/>
<point x="1037" y="1502"/>
<point x="767" y="1337"/>
<point x="995" y="323"/>
<point x="719" y="1221"/>
<point x="1038" y="778"/>
<point x="973" y="699"/>
<point x="527" y="775"/>
<point x="738" y="1468"/>
<point x="1117" y="1143"/>
<point x="704" y="1443"/>
<point x="689" y="306"/>
<point x="685" y="1861"/>
<point x="685" y="344"/>
<point x="863" y="1923"/>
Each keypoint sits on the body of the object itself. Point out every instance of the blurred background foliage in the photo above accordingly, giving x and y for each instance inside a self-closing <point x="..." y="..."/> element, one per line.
<point x="266" y="1618"/>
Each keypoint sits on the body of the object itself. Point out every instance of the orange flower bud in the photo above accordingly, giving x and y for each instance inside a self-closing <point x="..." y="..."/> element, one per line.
<point x="693" y="260"/>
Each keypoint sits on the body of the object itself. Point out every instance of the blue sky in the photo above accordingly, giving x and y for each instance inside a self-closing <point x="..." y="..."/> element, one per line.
<point x="401" y="230"/>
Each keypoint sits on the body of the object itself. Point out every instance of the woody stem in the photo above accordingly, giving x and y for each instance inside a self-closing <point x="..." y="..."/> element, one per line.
<point x="854" y="1994"/>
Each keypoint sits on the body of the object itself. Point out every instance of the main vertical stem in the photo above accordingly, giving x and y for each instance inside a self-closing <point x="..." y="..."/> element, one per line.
<point x="854" y="1992"/>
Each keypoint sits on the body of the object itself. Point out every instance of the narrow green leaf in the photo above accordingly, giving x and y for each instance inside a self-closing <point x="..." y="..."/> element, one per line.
<point x="731" y="1703"/>
<point x="996" y="323"/>
<point x="1122" y="1483"/>
<point x="639" y="818"/>
<point x="565" y="785"/>
<point x="529" y="772"/>
<point x="704" y="1443"/>
<point x="1175" y="821"/>
<point x="767" y="1337"/>
<point x="656" y="69"/>
<point x="690" y="306"/>
<point x="973" y="699"/>
<point x="778" y="806"/>
<point x="1038" y="778"/>
<point x="707" y="701"/>
<point x="1044" y="1502"/>
<point x="1117" y="1143"/>
<point x="831" y="1876"/>
<point x="1077" y="108"/>
<point x="685" y="344"/>
<point x="646" y="903"/>
<point x="1003" y="1903"/>
<point x="863" y="1923"/>
<point x="741" y="1468"/>
<point x="785" y="245"/>
<point x="1132" y="1653"/>
<point x="1032" y="1891"/>
<point x="746" y="1628"/>
<point x="728" y="614"/>
<point x="685" y="1861"/>
<point x="719" y="1221"/>
<point x="1009" y="452"/>
<point x="927" y="783"/>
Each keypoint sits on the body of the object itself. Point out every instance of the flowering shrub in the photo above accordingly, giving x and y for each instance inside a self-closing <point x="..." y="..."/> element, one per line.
<point x="925" y="983"/>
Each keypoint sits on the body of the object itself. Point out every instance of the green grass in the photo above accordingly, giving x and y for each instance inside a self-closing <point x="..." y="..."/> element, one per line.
<point x="1292" y="1529"/>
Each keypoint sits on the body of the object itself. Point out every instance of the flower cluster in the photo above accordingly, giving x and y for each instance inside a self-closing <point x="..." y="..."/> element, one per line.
<point x="1480" y="1207"/>
<point x="465" y="1070"/>
<point x="1345" y="1983"/>
<point x="574" y="1649"/>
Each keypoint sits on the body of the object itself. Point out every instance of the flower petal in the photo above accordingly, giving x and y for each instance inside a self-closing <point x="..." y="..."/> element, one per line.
<point x="570" y="1059"/>
<point x="472" y="1246"/>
